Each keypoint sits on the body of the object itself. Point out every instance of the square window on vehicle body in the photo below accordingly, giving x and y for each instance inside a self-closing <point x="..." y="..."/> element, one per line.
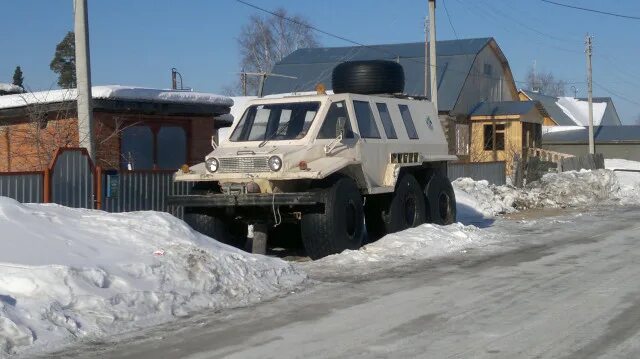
<point x="387" y="124"/>
<point x="366" y="122"/>
<point x="408" y="122"/>
<point x="328" y="129"/>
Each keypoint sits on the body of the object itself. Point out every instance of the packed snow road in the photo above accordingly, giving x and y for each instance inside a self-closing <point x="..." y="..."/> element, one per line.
<point x="547" y="288"/>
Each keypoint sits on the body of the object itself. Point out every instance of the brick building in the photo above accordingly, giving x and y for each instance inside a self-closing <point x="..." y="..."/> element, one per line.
<point x="135" y="128"/>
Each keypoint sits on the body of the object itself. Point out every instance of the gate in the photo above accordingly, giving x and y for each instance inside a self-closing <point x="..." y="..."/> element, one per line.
<point x="72" y="181"/>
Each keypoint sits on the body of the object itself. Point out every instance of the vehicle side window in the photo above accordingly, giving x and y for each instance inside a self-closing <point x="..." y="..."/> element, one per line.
<point x="328" y="129"/>
<point x="408" y="122"/>
<point x="366" y="122"/>
<point x="386" y="121"/>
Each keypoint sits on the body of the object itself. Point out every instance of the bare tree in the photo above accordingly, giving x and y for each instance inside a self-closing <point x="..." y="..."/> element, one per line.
<point x="545" y="83"/>
<point x="266" y="40"/>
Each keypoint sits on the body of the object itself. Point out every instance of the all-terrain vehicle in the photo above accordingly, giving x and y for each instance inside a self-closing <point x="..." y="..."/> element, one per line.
<point x="364" y="159"/>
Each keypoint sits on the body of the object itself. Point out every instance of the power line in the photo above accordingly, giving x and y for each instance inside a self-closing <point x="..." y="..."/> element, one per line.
<point x="616" y="94"/>
<point x="375" y="48"/>
<point x="444" y="3"/>
<point x="592" y="10"/>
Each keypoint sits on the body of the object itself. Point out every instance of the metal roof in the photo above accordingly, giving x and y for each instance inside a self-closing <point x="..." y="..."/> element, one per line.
<point x="503" y="108"/>
<point x="602" y="135"/>
<point x="552" y="108"/>
<point x="315" y="65"/>
<point x="609" y="118"/>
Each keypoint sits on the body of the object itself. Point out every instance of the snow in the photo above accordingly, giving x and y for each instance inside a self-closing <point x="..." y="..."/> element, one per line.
<point x="549" y="129"/>
<point x="116" y="92"/>
<point x="578" y="110"/>
<point x="629" y="181"/>
<point x="10" y="88"/>
<point x="68" y="274"/>
<point x="553" y="190"/>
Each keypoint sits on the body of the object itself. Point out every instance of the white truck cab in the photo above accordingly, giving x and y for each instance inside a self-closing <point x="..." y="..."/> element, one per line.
<point x="324" y="162"/>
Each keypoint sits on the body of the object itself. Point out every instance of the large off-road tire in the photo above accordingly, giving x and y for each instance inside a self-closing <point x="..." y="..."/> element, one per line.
<point x="441" y="200"/>
<point x="230" y="233"/>
<point x="407" y="207"/>
<point x="368" y="77"/>
<point x="373" y="208"/>
<point x="340" y="227"/>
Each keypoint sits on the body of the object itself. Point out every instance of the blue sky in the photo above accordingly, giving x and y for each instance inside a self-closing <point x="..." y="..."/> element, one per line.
<point x="137" y="42"/>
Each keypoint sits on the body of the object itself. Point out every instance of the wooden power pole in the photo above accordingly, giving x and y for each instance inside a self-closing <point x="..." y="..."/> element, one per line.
<point x="589" y="49"/>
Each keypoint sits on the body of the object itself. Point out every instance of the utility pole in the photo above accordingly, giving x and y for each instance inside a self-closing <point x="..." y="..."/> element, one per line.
<point x="426" y="56"/>
<point x="432" y="53"/>
<point x="589" y="50"/>
<point x="83" y="75"/>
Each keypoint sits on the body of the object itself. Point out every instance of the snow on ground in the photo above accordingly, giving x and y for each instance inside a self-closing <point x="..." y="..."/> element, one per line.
<point x="629" y="181"/>
<point x="115" y="92"/>
<point x="68" y="274"/>
<point x="477" y="203"/>
<point x="578" y="110"/>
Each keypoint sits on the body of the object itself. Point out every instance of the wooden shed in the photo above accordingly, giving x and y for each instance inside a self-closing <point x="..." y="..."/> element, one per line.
<point x="503" y="131"/>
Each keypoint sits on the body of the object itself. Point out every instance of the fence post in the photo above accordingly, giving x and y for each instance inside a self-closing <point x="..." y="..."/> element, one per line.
<point x="46" y="184"/>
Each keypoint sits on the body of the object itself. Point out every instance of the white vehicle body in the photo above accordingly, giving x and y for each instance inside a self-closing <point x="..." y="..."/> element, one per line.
<point x="374" y="163"/>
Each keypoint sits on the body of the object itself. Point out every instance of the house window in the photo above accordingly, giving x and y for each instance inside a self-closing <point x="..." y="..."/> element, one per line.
<point x="366" y="122"/>
<point x="386" y="121"/>
<point x="494" y="137"/>
<point x="488" y="69"/>
<point x="462" y="139"/>
<point x="136" y="148"/>
<point x="408" y="122"/>
<point x="153" y="147"/>
<point x="171" y="147"/>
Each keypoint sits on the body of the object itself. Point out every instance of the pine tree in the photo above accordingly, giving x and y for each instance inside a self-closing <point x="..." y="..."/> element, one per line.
<point x="18" y="79"/>
<point x="64" y="61"/>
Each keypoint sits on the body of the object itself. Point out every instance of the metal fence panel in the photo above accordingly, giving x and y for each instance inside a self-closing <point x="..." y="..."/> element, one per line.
<point x="72" y="180"/>
<point x="142" y="191"/>
<point x="23" y="187"/>
<point x="493" y="172"/>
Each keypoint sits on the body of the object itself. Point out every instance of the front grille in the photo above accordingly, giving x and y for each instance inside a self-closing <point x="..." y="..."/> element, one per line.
<point x="244" y="164"/>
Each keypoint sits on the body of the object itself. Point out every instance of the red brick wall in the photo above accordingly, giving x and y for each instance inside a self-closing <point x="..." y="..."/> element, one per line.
<point x="28" y="146"/>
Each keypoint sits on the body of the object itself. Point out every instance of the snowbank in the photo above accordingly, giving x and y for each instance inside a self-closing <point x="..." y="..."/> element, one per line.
<point x="578" y="110"/>
<point x="629" y="181"/>
<point x="553" y="190"/>
<point x="116" y="92"/>
<point x="76" y="273"/>
<point x="425" y="241"/>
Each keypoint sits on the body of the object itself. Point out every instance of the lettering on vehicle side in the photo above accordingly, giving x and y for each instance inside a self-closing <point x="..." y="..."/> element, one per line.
<point x="429" y="123"/>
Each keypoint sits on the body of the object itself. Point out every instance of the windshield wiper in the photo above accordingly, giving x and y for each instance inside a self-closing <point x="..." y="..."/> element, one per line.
<point x="280" y="131"/>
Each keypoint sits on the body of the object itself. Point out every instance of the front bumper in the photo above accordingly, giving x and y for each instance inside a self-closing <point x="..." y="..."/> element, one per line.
<point x="247" y="199"/>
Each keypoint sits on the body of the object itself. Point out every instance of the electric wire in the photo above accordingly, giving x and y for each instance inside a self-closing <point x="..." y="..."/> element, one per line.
<point x="592" y="10"/>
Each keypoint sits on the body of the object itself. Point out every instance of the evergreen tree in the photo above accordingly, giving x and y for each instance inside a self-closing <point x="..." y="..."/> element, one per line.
<point x="64" y="61"/>
<point x="18" y="79"/>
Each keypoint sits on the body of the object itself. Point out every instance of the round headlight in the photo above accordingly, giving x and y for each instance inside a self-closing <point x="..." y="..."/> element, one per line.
<point x="275" y="163"/>
<point x="212" y="164"/>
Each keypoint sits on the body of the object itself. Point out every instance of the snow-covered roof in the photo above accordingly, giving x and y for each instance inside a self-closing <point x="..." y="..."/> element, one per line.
<point x="116" y="92"/>
<point x="10" y="88"/>
<point x="578" y="110"/>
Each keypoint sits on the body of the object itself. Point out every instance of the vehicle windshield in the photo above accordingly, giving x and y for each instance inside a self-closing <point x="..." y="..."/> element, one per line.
<point x="282" y="121"/>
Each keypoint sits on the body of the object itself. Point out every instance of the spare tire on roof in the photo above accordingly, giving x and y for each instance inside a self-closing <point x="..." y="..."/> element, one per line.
<point x="368" y="77"/>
